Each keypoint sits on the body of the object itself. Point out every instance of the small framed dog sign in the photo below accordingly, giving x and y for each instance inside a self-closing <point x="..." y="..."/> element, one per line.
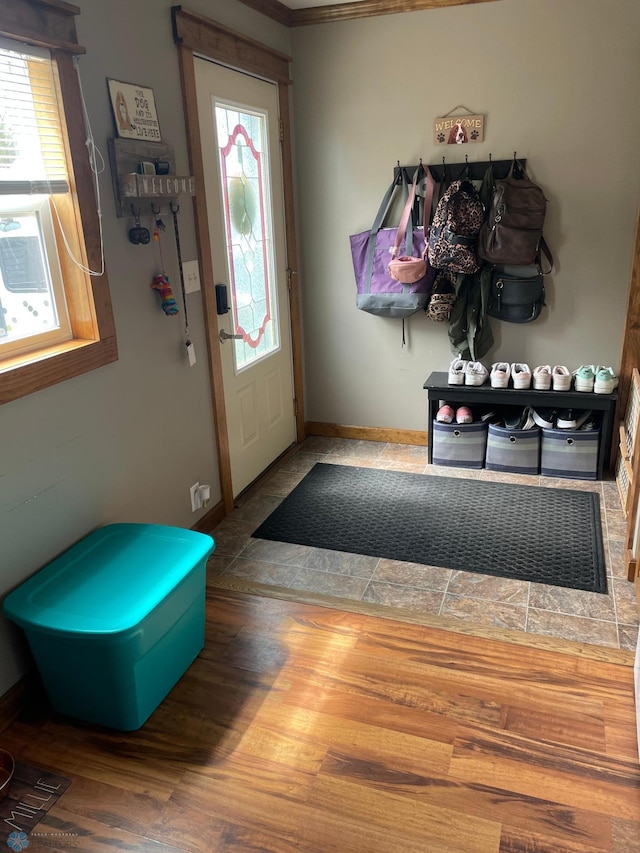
<point x="458" y="129"/>
<point x="134" y="110"/>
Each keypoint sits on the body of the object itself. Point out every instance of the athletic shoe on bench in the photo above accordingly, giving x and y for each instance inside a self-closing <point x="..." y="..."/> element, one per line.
<point x="475" y="373"/>
<point x="519" y="418"/>
<point x="445" y="415"/>
<point x="492" y="417"/>
<point x="521" y="375"/>
<point x="572" y="418"/>
<point x="584" y="377"/>
<point x="561" y="378"/>
<point x="456" y="371"/>
<point x="545" y="418"/>
<point x="513" y="417"/>
<point x="542" y="377"/>
<point x="589" y="425"/>
<point x="464" y="415"/>
<point x="500" y="374"/>
<point x="605" y="381"/>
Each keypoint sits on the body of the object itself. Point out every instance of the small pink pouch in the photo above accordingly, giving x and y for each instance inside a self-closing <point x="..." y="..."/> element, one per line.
<point x="407" y="270"/>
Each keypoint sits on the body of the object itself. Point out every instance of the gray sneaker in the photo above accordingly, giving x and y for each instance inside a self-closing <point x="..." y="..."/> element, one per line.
<point x="589" y="425"/>
<point x="519" y="418"/>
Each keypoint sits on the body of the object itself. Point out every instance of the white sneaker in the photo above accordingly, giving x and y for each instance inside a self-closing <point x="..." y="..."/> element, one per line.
<point x="456" y="371"/>
<point x="542" y="377"/>
<point x="475" y="373"/>
<point x="500" y="373"/>
<point x="521" y="375"/>
<point x="572" y="418"/>
<point x="584" y="377"/>
<point x="528" y="421"/>
<point x="561" y="378"/>
<point x="606" y="381"/>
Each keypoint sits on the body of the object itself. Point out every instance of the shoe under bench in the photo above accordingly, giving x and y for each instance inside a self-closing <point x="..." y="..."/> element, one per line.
<point x="439" y="391"/>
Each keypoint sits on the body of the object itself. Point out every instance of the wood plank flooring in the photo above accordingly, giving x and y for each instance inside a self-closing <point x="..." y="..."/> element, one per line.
<point x="303" y="728"/>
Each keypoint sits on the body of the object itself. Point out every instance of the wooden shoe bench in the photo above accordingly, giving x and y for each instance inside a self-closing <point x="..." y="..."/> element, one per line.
<point x="482" y="396"/>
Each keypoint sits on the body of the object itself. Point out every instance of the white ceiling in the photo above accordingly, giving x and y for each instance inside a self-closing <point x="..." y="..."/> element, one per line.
<point x="308" y="4"/>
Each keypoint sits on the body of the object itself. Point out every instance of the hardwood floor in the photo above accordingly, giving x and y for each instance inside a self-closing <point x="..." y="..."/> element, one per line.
<point x="302" y="728"/>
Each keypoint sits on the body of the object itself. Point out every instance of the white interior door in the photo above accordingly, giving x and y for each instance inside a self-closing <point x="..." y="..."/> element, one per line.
<point x="239" y="129"/>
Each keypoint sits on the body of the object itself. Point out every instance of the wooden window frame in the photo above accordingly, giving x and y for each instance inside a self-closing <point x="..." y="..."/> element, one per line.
<point x="51" y="24"/>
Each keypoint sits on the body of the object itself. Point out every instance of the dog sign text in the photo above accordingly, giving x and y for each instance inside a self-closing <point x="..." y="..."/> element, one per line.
<point x="457" y="130"/>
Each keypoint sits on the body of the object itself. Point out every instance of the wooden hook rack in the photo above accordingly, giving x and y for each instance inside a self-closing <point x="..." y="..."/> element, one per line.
<point x="131" y="186"/>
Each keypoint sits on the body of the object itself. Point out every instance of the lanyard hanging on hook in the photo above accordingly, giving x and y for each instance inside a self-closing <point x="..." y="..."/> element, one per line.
<point x="174" y="208"/>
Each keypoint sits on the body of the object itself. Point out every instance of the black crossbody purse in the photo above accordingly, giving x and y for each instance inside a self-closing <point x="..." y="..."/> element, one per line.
<point x="516" y="298"/>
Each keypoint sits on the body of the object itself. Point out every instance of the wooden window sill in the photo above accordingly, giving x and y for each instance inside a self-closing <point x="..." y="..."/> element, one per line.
<point x="34" y="371"/>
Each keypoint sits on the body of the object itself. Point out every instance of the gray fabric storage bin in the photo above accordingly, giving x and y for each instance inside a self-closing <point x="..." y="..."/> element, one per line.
<point x="515" y="450"/>
<point x="459" y="445"/>
<point x="571" y="453"/>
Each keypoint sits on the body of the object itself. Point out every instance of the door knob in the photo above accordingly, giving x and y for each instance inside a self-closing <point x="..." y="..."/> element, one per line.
<point x="224" y="336"/>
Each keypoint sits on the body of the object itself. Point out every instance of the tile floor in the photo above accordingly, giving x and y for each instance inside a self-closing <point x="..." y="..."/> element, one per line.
<point x="606" y="620"/>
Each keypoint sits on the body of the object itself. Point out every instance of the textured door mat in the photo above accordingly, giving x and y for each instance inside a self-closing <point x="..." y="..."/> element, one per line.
<point x="32" y="792"/>
<point x="529" y="533"/>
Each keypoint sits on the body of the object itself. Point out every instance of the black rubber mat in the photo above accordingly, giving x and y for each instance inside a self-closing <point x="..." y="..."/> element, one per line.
<point x="530" y="533"/>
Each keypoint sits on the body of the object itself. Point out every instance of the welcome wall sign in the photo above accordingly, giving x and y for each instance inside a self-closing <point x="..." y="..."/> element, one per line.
<point x="458" y="129"/>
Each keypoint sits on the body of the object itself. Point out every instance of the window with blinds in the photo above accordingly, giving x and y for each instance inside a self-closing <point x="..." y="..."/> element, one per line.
<point x="56" y="319"/>
<point x="33" y="171"/>
<point x="32" y="154"/>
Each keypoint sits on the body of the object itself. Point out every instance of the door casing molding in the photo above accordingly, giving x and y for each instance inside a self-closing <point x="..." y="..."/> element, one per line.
<point x="196" y="35"/>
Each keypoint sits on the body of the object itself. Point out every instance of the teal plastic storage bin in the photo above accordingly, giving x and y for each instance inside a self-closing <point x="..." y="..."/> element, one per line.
<point x="115" y="621"/>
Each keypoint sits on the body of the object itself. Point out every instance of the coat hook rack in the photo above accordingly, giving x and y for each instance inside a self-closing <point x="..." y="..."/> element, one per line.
<point x="475" y="171"/>
<point x="129" y="182"/>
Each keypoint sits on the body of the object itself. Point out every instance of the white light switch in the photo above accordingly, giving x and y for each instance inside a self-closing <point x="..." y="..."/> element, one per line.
<point x="191" y="273"/>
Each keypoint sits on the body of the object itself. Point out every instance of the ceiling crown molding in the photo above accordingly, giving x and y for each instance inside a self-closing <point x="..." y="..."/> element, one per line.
<point x="347" y="11"/>
<point x="272" y="9"/>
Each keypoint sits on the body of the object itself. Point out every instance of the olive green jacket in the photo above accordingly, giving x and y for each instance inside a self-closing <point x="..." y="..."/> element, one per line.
<point x="469" y="330"/>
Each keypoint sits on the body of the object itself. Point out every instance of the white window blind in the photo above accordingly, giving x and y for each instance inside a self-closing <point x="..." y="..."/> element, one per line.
<point x="32" y="154"/>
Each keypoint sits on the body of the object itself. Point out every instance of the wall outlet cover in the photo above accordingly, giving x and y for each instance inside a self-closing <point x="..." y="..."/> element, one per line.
<point x="191" y="273"/>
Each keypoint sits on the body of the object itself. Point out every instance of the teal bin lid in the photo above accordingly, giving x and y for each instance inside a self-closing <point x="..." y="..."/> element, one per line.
<point x="109" y="581"/>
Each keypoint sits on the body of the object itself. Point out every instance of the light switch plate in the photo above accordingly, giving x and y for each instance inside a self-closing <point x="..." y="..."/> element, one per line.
<point x="191" y="273"/>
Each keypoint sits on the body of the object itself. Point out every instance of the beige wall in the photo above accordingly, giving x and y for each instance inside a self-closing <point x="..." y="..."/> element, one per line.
<point x="559" y="83"/>
<point x="125" y="442"/>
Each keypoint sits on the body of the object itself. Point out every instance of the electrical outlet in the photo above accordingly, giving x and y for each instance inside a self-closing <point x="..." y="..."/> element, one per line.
<point x="191" y="273"/>
<point x="194" y="491"/>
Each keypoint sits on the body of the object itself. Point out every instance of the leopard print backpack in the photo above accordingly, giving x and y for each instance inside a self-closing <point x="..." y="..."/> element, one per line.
<point x="455" y="228"/>
<point x="443" y="297"/>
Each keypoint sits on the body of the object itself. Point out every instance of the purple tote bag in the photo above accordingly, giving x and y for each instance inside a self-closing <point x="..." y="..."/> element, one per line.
<point x="377" y="291"/>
